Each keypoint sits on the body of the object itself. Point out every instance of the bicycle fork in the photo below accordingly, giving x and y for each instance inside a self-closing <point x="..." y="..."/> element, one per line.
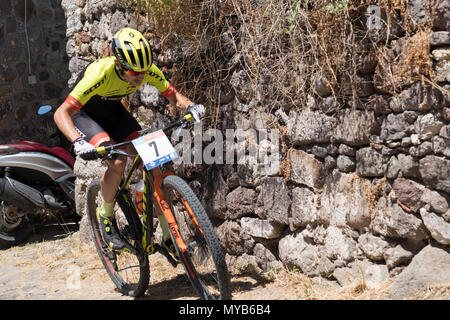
<point x="147" y="225"/>
<point x="173" y="226"/>
<point x="165" y="209"/>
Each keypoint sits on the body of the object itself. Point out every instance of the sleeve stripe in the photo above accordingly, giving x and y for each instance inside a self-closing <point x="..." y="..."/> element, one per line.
<point x="98" y="138"/>
<point x="74" y="102"/>
<point x="169" y="92"/>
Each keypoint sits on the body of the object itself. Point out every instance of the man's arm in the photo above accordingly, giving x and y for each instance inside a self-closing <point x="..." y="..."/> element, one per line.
<point x="180" y="101"/>
<point x="63" y="119"/>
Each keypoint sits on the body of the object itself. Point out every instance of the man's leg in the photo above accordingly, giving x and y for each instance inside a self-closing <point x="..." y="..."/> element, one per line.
<point x="121" y="126"/>
<point x="110" y="182"/>
<point x="93" y="133"/>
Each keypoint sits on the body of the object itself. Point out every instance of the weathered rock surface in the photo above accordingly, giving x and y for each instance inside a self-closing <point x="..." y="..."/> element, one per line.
<point x="438" y="227"/>
<point x="309" y="127"/>
<point x="435" y="172"/>
<point x="354" y="127"/>
<point x="261" y="228"/>
<point x="240" y="202"/>
<point x="305" y="208"/>
<point x="274" y="200"/>
<point x="305" y="169"/>
<point x="346" y="200"/>
<point x="391" y="221"/>
<point x="429" y="267"/>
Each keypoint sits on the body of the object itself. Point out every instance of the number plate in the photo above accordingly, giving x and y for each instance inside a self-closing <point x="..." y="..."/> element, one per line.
<point x="155" y="149"/>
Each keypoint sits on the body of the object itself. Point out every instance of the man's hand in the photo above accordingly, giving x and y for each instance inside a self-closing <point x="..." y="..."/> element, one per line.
<point x="197" y="111"/>
<point x="84" y="149"/>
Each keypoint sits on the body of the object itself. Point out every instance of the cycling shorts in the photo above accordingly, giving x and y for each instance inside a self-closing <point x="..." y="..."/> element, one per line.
<point x="105" y="119"/>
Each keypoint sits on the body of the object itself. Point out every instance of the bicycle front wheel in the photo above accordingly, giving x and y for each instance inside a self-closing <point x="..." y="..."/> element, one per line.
<point x="128" y="269"/>
<point x="204" y="261"/>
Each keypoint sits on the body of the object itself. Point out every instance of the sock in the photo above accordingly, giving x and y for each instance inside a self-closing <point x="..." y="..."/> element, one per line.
<point x="164" y="227"/>
<point x="107" y="209"/>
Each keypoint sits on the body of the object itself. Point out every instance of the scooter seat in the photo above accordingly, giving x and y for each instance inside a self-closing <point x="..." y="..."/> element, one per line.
<point x="35" y="146"/>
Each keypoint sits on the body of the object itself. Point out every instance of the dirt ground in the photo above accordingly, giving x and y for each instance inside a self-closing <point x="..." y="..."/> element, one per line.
<point x="63" y="268"/>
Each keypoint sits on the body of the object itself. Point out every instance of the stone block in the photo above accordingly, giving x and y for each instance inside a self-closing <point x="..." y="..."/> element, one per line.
<point x="429" y="267"/>
<point x="305" y="169"/>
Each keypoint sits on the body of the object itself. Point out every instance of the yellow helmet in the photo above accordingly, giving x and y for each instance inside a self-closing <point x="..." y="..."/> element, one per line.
<point x="132" y="50"/>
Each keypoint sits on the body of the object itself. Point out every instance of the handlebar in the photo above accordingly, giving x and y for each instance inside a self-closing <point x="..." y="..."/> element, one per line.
<point x="101" y="152"/>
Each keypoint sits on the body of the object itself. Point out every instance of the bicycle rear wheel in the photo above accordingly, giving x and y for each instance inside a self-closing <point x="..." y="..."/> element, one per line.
<point x="204" y="260"/>
<point x="128" y="269"/>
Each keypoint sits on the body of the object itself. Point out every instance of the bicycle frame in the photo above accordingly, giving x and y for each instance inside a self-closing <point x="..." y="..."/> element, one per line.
<point x="152" y="182"/>
<point x="158" y="194"/>
<point x="191" y="231"/>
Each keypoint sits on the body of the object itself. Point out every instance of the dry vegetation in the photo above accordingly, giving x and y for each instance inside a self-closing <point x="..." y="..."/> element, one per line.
<point x="284" y="46"/>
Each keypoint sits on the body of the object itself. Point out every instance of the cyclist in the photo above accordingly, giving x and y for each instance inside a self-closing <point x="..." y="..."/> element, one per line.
<point x="92" y="114"/>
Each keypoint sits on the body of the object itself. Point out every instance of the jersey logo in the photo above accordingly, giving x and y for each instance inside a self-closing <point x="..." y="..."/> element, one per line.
<point x="98" y="84"/>
<point x="154" y="75"/>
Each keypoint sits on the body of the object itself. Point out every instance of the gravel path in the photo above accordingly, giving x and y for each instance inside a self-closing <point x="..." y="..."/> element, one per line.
<point x="67" y="269"/>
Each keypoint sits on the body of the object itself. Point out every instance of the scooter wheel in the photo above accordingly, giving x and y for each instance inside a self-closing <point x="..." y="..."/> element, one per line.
<point x="9" y="238"/>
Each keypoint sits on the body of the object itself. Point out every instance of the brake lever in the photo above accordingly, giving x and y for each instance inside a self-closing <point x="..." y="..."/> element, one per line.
<point x="143" y="132"/>
<point x="112" y="155"/>
<point x="109" y="156"/>
<point x="178" y="131"/>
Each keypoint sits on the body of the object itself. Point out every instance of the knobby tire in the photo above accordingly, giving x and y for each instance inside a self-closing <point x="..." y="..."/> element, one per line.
<point x="205" y="238"/>
<point x="119" y="275"/>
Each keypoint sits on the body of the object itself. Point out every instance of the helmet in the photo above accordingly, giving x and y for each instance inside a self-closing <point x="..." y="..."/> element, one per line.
<point x="132" y="50"/>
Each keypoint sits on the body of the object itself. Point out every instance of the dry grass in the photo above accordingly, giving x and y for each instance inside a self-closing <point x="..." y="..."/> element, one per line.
<point x="441" y="292"/>
<point x="299" y="286"/>
<point x="53" y="260"/>
<point x="283" y="46"/>
<point x="357" y="290"/>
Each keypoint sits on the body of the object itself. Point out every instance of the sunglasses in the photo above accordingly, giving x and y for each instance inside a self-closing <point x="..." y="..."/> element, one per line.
<point x="134" y="73"/>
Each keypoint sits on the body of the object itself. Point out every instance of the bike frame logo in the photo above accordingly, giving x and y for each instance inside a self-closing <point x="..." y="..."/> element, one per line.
<point x="257" y="148"/>
<point x="174" y="229"/>
<point x="164" y="205"/>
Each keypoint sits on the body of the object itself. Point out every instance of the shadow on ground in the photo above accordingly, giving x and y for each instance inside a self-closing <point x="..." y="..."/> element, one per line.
<point x="180" y="288"/>
<point x="52" y="230"/>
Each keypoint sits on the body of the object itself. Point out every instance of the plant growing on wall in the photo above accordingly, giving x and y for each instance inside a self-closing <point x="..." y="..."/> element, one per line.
<point x="282" y="45"/>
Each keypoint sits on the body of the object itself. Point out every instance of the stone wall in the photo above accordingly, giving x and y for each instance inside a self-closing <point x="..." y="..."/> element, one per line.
<point x="46" y="61"/>
<point x="366" y="185"/>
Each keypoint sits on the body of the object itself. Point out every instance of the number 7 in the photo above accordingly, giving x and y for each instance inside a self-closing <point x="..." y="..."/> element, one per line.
<point x="153" y="143"/>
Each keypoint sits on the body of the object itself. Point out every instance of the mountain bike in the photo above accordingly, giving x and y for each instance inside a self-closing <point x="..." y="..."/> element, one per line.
<point x="195" y="243"/>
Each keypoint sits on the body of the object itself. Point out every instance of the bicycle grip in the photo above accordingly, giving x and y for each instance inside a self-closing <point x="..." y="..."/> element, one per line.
<point x="94" y="154"/>
<point x="91" y="155"/>
<point x="188" y="117"/>
<point x="100" y="151"/>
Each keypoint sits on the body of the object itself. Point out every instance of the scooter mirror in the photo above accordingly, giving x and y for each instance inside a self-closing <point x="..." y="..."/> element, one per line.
<point x="44" y="109"/>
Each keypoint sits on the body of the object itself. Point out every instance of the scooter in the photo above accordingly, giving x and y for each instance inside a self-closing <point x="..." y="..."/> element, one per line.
<point x="35" y="181"/>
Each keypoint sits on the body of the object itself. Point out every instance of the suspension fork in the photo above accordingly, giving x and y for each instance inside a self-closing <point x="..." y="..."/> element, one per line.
<point x="165" y="209"/>
<point x="191" y="214"/>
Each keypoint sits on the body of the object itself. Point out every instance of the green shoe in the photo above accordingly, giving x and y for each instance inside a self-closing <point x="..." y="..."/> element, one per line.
<point x="110" y="234"/>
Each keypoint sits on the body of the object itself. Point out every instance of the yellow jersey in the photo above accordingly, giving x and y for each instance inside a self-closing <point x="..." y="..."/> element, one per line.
<point x="101" y="78"/>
